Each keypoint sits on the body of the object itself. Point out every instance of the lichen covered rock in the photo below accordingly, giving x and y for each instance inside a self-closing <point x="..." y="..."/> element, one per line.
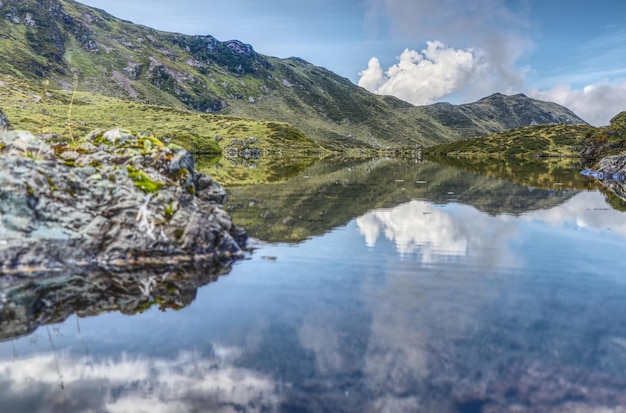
<point x="4" y="122"/>
<point x="611" y="172"/>
<point x="114" y="200"/>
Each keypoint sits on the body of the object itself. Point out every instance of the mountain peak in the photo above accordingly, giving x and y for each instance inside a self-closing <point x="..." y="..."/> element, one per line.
<point x="494" y="96"/>
<point x="499" y="95"/>
<point x="519" y="110"/>
<point x="59" y="39"/>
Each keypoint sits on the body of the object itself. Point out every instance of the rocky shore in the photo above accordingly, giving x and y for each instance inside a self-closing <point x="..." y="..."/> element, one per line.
<point x="114" y="222"/>
<point x="611" y="168"/>
<point x="611" y="172"/>
<point x="111" y="201"/>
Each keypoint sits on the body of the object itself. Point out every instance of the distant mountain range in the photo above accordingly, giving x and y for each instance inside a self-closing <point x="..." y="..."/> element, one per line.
<point x="62" y="40"/>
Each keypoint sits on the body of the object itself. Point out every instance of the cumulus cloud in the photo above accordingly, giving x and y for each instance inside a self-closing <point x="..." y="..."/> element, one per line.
<point x="421" y="77"/>
<point x="493" y="34"/>
<point x="596" y="103"/>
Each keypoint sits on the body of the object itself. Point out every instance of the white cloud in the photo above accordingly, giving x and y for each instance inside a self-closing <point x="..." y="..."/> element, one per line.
<point x="596" y="103"/>
<point x="495" y="35"/>
<point x="373" y="77"/>
<point x="421" y="77"/>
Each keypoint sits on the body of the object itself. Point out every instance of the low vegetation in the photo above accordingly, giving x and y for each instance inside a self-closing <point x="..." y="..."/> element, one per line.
<point x="542" y="141"/>
<point x="534" y="141"/>
<point x="34" y="107"/>
<point x="607" y="141"/>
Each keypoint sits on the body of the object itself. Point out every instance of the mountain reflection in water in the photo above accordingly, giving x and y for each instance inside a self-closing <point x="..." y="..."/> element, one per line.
<point x="461" y="294"/>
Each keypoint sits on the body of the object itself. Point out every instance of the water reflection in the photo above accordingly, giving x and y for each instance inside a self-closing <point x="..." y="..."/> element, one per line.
<point x="126" y="383"/>
<point x="30" y="300"/>
<point x="427" y="229"/>
<point x="327" y="195"/>
<point x="421" y="300"/>
<point x="583" y="211"/>
<point x="416" y="227"/>
<point x="248" y="170"/>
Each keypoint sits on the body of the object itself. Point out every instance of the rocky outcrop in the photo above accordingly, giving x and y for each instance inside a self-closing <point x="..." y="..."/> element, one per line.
<point x="114" y="201"/>
<point x="606" y="149"/>
<point x="606" y="141"/>
<point x="4" y="122"/>
<point x="610" y="168"/>
<point x="611" y="172"/>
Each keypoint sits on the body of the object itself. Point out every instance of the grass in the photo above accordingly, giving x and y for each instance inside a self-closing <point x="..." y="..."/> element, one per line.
<point x="558" y="140"/>
<point x="27" y="108"/>
<point x="584" y="142"/>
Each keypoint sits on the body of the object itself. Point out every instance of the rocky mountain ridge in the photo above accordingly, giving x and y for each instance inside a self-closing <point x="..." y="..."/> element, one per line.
<point x="72" y="45"/>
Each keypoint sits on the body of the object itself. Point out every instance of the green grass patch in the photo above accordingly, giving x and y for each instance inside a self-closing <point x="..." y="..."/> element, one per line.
<point x="28" y="108"/>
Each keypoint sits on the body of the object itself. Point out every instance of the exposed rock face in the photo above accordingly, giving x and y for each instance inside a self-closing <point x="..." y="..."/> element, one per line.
<point x="611" y="171"/>
<point x="113" y="202"/>
<point x="4" y="122"/>
<point x="606" y="141"/>
<point x="611" y="168"/>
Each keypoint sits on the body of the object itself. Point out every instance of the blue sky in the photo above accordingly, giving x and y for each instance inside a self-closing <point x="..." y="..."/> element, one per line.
<point x="572" y="52"/>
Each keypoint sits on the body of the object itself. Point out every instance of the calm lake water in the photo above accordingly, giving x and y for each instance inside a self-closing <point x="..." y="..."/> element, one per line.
<point x="375" y="286"/>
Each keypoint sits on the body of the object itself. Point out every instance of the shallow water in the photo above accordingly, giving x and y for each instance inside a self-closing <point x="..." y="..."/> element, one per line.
<point x="403" y="287"/>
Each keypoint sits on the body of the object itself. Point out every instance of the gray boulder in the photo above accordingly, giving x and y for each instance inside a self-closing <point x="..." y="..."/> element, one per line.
<point x="114" y="202"/>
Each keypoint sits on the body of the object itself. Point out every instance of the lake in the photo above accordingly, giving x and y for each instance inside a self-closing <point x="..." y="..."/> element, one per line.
<point x="381" y="285"/>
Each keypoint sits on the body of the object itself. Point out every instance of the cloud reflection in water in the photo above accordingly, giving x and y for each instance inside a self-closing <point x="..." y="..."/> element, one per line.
<point x="415" y="226"/>
<point x="465" y="315"/>
<point x="439" y="233"/>
<point x="128" y="384"/>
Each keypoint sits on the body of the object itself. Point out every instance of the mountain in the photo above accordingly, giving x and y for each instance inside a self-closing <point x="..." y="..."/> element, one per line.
<point x="586" y="142"/>
<point x="497" y="113"/>
<point x="70" y="44"/>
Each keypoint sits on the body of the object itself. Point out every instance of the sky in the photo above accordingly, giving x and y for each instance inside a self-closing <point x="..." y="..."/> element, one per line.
<point x="572" y="52"/>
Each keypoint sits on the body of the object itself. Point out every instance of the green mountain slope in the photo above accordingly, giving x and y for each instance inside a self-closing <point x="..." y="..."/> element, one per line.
<point x="561" y="140"/>
<point x="535" y="141"/>
<point x="497" y="113"/>
<point x="68" y="116"/>
<point x="65" y="42"/>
